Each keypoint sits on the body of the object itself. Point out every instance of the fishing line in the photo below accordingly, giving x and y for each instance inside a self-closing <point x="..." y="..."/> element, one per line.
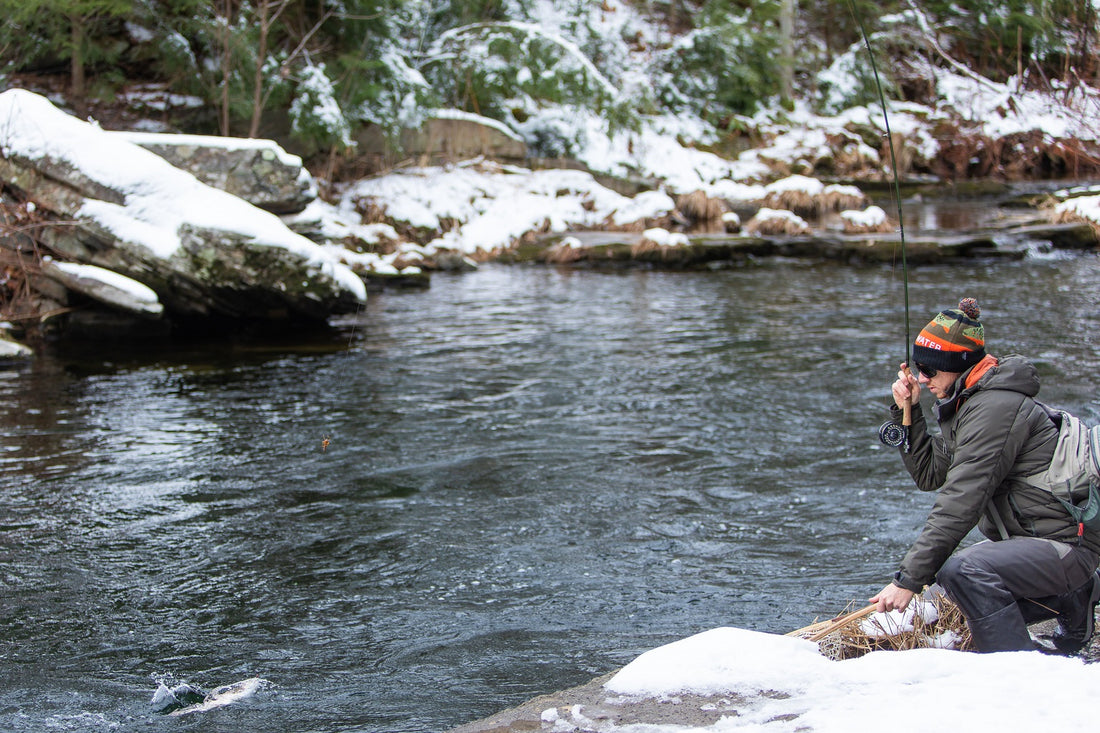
<point x="891" y="433"/>
<point x="893" y="164"/>
<point x="354" y="326"/>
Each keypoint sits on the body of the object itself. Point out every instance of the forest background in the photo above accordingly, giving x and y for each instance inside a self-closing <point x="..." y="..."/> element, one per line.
<point x="309" y="72"/>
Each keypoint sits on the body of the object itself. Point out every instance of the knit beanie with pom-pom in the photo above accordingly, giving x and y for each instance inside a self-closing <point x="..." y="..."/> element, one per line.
<point x="953" y="341"/>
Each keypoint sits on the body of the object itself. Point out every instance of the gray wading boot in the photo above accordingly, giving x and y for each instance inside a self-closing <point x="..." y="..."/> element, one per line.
<point x="1001" y="631"/>
<point x="1078" y="617"/>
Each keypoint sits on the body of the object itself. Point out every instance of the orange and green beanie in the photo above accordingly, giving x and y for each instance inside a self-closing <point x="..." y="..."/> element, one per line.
<point x="953" y="341"/>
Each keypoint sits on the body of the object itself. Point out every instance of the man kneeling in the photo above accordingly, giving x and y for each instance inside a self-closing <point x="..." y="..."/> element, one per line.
<point x="1039" y="563"/>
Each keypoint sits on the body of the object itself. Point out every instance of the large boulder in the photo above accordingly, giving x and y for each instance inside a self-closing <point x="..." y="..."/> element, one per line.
<point x="258" y="171"/>
<point x="203" y="251"/>
<point x="448" y="137"/>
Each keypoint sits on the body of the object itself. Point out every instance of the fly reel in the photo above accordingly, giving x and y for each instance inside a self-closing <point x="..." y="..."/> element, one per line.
<point x="892" y="434"/>
<point x="897" y="436"/>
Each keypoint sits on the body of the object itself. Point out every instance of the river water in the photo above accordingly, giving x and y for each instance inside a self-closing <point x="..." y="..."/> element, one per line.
<point x="532" y="475"/>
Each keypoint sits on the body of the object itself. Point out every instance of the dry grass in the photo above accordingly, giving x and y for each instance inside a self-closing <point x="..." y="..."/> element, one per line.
<point x="881" y="228"/>
<point x="853" y="640"/>
<point x="1056" y="213"/>
<point x="659" y="240"/>
<point x="1067" y="215"/>
<point x="810" y="198"/>
<point x="565" y="252"/>
<point x="632" y="227"/>
<point x="905" y="152"/>
<point x="371" y="210"/>
<point x="646" y="245"/>
<point x="700" y="209"/>
<point x="841" y="198"/>
<point x="800" y="202"/>
<point x="773" y="222"/>
<point x="871" y="221"/>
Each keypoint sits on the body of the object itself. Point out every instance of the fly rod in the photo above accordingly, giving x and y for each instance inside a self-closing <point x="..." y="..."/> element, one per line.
<point x="891" y="433"/>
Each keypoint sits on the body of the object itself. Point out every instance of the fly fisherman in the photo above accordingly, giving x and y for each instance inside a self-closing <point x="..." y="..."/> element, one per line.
<point x="992" y="435"/>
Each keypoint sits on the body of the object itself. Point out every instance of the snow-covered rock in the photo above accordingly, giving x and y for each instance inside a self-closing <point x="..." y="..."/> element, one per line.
<point x="258" y="171"/>
<point x="204" y="252"/>
<point x="105" y="286"/>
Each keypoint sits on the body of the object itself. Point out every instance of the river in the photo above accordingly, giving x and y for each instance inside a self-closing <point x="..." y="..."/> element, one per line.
<point x="531" y="476"/>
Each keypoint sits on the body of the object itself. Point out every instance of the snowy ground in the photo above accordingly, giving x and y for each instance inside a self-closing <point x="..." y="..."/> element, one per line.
<point x="730" y="679"/>
<point x="481" y="207"/>
<point x="788" y="686"/>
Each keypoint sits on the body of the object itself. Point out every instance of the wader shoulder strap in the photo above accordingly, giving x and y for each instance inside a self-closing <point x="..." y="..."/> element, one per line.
<point x="1001" y="530"/>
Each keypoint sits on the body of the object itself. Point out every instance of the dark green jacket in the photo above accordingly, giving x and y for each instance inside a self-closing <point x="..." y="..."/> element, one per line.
<point x="992" y="436"/>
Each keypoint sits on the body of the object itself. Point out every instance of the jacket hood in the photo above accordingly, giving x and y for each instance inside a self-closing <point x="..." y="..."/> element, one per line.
<point x="1012" y="373"/>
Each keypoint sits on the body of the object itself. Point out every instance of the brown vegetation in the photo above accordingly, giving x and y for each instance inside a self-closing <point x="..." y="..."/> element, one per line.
<point x="20" y="257"/>
<point x="804" y="203"/>
<point x="370" y="210"/>
<point x="841" y="198"/>
<point x="703" y="213"/>
<point x="800" y="202"/>
<point x="638" y="227"/>
<point x="856" y="222"/>
<point x="847" y="158"/>
<point x="1066" y="215"/>
<point x="773" y="223"/>
<point x="853" y="640"/>
<point x="565" y="252"/>
<point x="646" y="246"/>
<point x="966" y="154"/>
<point x="904" y="154"/>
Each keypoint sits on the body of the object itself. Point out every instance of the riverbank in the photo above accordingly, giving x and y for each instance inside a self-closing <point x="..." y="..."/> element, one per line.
<point x="732" y="679"/>
<point x="589" y="707"/>
<point x="812" y="187"/>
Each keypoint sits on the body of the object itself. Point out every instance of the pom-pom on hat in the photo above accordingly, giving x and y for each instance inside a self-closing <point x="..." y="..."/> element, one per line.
<point x="953" y="341"/>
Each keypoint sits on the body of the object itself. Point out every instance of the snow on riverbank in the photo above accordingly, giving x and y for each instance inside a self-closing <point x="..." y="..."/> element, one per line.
<point x="729" y="679"/>
<point x="497" y="204"/>
<point x="477" y="208"/>
<point x="480" y="207"/>
<point x="1081" y="207"/>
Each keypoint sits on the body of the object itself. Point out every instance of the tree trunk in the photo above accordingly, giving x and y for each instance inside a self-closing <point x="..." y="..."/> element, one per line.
<point x="227" y="68"/>
<point x="786" y="63"/>
<point x="76" y="63"/>
<point x="258" y="77"/>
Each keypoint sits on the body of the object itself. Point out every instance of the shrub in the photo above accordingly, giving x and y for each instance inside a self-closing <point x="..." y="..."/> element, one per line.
<point x="315" y="115"/>
<point x="725" y="66"/>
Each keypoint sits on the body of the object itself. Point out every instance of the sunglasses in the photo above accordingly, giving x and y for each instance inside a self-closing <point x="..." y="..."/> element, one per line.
<point x="927" y="371"/>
